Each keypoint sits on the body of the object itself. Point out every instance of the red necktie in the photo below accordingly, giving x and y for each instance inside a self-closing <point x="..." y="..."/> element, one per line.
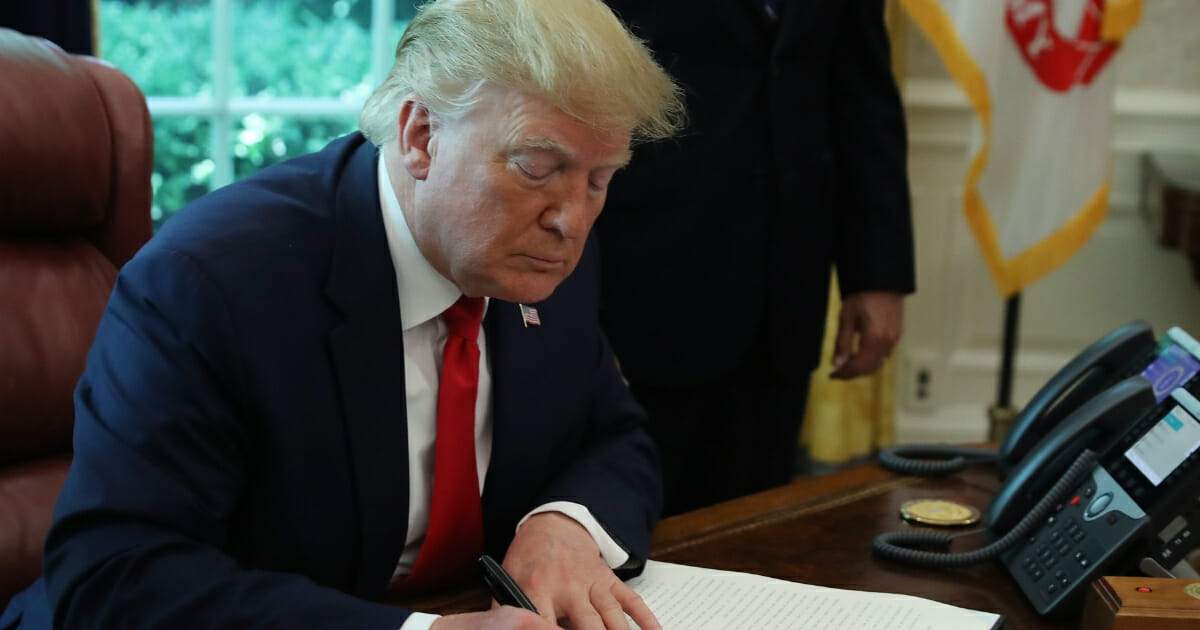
<point x="455" y="535"/>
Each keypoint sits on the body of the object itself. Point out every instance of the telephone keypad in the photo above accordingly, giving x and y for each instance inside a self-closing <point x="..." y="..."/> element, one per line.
<point x="1062" y="578"/>
<point x="1034" y="571"/>
<point x="1075" y="531"/>
<point x="1072" y="547"/>
<point x="1047" y="557"/>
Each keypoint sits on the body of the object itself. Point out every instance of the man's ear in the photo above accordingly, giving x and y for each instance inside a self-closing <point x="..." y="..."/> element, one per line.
<point x="416" y="138"/>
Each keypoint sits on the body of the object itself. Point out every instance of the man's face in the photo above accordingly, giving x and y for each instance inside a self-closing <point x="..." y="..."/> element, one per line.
<point x="504" y="197"/>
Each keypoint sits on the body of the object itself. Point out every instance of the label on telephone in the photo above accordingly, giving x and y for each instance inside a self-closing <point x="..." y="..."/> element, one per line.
<point x="1173" y="367"/>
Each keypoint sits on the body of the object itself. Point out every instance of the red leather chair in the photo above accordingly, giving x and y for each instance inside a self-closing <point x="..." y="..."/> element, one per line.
<point x="76" y="154"/>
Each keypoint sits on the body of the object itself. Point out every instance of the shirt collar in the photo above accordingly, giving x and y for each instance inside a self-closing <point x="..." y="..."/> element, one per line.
<point x="424" y="293"/>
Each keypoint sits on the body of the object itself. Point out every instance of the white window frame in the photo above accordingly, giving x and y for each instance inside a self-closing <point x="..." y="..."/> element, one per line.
<point x="221" y="110"/>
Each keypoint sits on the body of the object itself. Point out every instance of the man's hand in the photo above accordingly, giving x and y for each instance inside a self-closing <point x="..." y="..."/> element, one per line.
<point x="557" y="564"/>
<point x="875" y="319"/>
<point x="502" y="618"/>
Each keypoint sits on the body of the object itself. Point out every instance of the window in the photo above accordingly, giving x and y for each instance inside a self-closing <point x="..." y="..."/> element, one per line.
<point x="236" y="85"/>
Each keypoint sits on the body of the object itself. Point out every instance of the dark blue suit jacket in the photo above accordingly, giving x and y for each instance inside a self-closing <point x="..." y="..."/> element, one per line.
<point x="793" y="162"/>
<point x="240" y="439"/>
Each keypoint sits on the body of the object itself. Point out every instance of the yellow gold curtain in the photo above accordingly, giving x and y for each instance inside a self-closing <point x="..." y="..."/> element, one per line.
<point x="849" y="419"/>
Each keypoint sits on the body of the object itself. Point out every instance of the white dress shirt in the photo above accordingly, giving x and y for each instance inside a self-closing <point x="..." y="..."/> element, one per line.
<point x="424" y="295"/>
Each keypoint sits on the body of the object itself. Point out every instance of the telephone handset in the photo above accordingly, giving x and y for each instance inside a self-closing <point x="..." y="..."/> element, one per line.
<point x="1091" y="425"/>
<point x="1123" y="352"/>
<point x="1119" y="354"/>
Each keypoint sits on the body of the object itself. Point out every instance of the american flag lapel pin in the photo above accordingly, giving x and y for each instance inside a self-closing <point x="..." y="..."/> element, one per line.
<point x="529" y="316"/>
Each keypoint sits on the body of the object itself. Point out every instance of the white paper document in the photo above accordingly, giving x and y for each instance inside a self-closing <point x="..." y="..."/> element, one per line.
<point x="692" y="598"/>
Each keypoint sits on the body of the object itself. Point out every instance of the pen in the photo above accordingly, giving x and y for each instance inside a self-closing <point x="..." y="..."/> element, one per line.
<point x="502" y="586"/>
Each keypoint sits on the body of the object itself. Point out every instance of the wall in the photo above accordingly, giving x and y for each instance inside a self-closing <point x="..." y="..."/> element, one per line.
<point x="953" y="325"/>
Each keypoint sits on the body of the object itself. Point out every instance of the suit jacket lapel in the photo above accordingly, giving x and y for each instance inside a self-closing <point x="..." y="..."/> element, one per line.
<point x="499" y="326"/>
<point x="368" y="360"/>
<point x="517" y="356"/>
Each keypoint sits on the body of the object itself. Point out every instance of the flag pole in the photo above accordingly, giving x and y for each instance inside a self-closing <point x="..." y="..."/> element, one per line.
<point x="1012" y="317"/>
<point x="1002" y="413"/>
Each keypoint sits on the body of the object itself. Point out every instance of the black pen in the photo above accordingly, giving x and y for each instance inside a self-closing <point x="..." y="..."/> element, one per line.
<point x="502" y="586"/>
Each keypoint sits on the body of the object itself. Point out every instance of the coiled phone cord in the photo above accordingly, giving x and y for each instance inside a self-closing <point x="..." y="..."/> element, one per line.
<point x="902" y="458"/>
<point x="897" y="545"/>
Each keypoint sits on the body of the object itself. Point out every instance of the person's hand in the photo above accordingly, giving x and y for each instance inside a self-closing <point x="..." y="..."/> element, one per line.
<point x="557" y="564"/>
<point x="875" y="320"/>
<point x="500" y="618"/>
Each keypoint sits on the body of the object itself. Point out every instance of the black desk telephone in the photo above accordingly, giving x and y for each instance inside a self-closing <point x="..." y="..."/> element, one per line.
<point x="1102" y="474"/>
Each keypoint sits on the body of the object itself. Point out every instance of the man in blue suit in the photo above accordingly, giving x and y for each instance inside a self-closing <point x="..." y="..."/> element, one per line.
<point x="255" y="428"/>
<point x="793" y="165"/>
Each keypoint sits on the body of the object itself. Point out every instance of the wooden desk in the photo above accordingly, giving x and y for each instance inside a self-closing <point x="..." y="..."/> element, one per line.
<point x="819" y="531"/>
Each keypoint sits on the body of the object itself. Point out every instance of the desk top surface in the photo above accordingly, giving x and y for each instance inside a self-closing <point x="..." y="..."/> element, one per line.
<point x="819" y="530"/>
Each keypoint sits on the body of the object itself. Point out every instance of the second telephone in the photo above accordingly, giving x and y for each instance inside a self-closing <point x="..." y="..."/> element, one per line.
<point x="1111" y="485"/>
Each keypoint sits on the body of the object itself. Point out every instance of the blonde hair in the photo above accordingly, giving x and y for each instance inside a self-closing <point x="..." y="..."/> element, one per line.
<point x="574" y="53"/>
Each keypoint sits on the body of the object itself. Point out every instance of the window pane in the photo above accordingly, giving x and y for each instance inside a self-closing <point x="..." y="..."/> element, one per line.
<point x="260" y="141"/>
<point x="183" y="164"/>
<point x="405" y="11"/>
<point x="302" y="48"/>
<point x="164" y="45"/>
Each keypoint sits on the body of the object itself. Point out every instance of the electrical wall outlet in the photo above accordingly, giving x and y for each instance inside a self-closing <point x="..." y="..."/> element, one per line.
<point x="920" y="383"/>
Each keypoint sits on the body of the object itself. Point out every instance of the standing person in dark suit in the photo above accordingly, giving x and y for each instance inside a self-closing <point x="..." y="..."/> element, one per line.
<point x="716" y="247"/>
<point x="264" y="435"/>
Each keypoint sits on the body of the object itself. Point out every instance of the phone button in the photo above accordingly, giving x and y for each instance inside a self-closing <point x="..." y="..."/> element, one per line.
<point x="1098" y="504"/>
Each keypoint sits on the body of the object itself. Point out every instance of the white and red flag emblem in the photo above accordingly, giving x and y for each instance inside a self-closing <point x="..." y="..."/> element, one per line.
<point x="1039" y="76"/>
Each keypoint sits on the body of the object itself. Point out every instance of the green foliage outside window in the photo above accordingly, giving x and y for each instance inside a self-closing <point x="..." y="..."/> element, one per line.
<point x="182" y="166"/>
<point x="281" y="48"/>
<point x="166" y="50"/>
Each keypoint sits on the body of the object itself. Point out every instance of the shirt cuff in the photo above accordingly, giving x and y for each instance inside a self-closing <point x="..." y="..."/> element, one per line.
<point x="613" y="554"/>
<point x="419" y="621"/>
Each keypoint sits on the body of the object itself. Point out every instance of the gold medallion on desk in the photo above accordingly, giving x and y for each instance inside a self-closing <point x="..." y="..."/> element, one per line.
<point x="938" y="512"/>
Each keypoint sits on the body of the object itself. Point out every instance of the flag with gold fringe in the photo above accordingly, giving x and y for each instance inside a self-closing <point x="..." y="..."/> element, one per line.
<point x="1040" y="77"/>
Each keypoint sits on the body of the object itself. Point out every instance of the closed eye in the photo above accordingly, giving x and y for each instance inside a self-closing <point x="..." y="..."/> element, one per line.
<point x="600" y="181"/>
<point x="533" y="170"/>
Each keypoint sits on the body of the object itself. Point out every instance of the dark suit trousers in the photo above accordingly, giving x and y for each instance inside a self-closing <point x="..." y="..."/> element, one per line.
<point x="728" y="437"/>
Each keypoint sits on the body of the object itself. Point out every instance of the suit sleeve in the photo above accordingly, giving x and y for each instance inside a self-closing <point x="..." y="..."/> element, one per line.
<point x="617" y="476"/>
<point x="162" y="441"/>
<point x="872" y="215"/>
